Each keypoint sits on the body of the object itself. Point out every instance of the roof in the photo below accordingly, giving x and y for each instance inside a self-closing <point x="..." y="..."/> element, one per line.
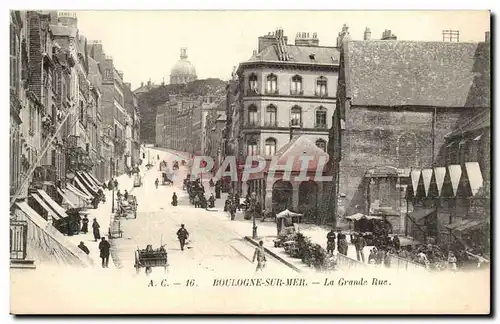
<point x="300" y="146"/>
<point x="421" y="213"/>
<point x="410" y="73"/>
<point x="60" y="30"/>
<point x="480" y="121"/>
<point x="300" y="54"/>
<point x="146" y="87"/>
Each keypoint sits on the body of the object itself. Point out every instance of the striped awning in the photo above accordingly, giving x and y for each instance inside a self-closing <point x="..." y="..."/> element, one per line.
<point x="466" y="224"/>
<point x="42" y="203"/>
<point x="53" y="204"/>
<point x="426" y="176"/>
<point x="455" y="175"/>
<point x="439" y="174"/>
<point x="475" y="176"/>
<point x="82" y="187"/>
<point x="415" y="178"/>
<point x="66" y="198"/>
<point x="100" y="184"/>
<point x="77" y="192"/>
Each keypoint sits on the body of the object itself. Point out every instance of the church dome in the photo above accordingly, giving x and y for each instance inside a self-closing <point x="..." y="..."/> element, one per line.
<point x="183" y="71"/>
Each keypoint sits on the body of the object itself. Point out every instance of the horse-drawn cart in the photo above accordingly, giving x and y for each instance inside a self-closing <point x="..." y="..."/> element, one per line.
<point x="128" y="206"/>
<point x="149" y="258"/>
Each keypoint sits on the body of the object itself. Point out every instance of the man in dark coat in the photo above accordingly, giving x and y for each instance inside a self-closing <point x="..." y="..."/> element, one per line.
<point x="359" y="244"/>
<point x="116" y="184"/>
<point x="84" y="248"/>
<point x="104" y="247"/>
<point x="396" y="243"/>
<point x="95" y="229"/>
<point x="330" y="241"/>
<point x="182" y="235"/>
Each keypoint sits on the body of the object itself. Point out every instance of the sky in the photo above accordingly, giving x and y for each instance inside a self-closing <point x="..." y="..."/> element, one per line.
<point x="146" y="44"/>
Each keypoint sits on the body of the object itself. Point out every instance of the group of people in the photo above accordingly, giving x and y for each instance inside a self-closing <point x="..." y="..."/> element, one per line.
<point x="196" y="192"/>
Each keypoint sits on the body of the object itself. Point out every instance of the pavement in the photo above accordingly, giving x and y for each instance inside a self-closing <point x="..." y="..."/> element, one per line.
<point x="215" y="245"/>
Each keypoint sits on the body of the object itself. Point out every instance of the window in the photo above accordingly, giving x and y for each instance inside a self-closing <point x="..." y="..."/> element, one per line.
<point x="272" y="84"/>
<point x="252" y="83"/>
<point x="321" y="84"/>
<point x="81" y="112"/>
<point x="271" y="116"/>
<point x="407" y="148"/>
<point x="296" y="85"/>
<point x="321" y="117"/>
<point x="270" y="146"/>
<point x="321" y="143"/>
<point x="252" y="147"/>
<point x="296" y="119"/>
<point x="252" y="115"/>
<point x="14" y="61"/>
<point x="116" y="130"/>
<point x="54" y="82"/>
<point x="108" y="74"/>
<point x="32" y="120"/>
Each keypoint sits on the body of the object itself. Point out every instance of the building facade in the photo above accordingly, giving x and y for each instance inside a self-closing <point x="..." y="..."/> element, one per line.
<point x="285" y="91"/>
<point x="391" y="131"/>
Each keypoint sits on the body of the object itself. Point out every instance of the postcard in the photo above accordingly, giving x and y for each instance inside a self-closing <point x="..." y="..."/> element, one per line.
<point x="235" y="162"/>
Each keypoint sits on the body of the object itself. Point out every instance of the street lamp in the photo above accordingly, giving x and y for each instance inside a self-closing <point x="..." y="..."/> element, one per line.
<point x="253" y="197"/>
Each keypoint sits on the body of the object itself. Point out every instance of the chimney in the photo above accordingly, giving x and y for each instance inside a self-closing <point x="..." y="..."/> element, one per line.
<point x="254" y="53"/>
<point x="303" y="39"/>
<point x="270" y="39"/>
<point x="487" y="37"/>
<point x="368" y="34"/>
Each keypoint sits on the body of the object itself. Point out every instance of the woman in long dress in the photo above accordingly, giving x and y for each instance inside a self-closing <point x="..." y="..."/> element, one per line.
<point x="95" y="229"/>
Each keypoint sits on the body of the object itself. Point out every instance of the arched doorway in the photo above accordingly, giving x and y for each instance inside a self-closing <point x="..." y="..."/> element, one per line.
<point x="308" y="202"/>
<point x="282" y="195"/>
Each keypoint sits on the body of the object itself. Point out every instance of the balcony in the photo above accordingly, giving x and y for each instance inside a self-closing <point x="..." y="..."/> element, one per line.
<point x="269" y="123"/>
<point x="296" y="123"/>
<point x="45" y="173"/>
<point x="18" y="245"/>
<point x="321" y="94"/>
<point x="270" y="92"/>
<point x="252" y="124"/>
<point x="252" y="92"/>
<point x="296" y="92"/>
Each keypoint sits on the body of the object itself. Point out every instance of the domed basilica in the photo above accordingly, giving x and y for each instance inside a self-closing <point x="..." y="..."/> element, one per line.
<point x="183" y="71"/>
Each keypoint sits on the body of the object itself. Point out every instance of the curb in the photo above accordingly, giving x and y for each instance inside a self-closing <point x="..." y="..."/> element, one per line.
<point x="274" y="255"/>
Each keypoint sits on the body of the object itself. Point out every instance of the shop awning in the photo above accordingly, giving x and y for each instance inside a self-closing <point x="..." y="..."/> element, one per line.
<point x="421" y="213"/>
<point x="99" y="183"/>
<point x="42" y="203"/>
<point x="78" y="192"/>
<point x="426" y="176"/>
<point x="66" y="198"/>
<point x="415" y="178"/>
<point x="359" y="216"/>
<point x="82" y="187"/>
<point x="475" y="176"/>
<point x="301" y="146"/>
<point x="53" y="204"/>
<point x="439" y="174"/>
<point x="89" y="187"/>
<point x="31" y="214"/>
<point x="455" y="175"/>
<point x="90" y="181"/>
<point x="466" y="225"/>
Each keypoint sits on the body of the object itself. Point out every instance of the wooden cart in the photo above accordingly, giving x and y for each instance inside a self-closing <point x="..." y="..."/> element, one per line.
<point x="149" y="258"/>
<point x="128" y="207"/>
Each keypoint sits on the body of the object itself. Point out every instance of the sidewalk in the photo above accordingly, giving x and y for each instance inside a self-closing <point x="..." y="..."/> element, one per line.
<point x="104" y="217"/>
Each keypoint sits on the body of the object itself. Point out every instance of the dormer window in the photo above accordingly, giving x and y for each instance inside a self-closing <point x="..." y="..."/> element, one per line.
<point x="296" y="85"/>
<point x="272" y="84"/>
<point x="321" y="87"/>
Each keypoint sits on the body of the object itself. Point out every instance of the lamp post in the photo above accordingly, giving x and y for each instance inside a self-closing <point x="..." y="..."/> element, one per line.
<point x="253" y="203"/>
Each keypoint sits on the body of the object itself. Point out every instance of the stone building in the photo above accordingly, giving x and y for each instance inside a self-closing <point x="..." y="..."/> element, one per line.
<point x="183" y="71"/>
<point x="115" y="116"/>
<point x="285" y="90"/>
<point x="214" y="124"/>
<point x="391" y="130"/>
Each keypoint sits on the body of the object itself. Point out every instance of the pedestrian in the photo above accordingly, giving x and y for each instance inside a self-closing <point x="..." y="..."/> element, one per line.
<point x="452" y="261"/>
<point x="372" y="257"/>
<point x="396" y="243"/>
<point x="125" y="195"/>
<point x="359" y="244"/>
<point x="211" y="201"/>
<point x="196" y="201"/>
<point x="156" y="183"/>
<point x="85" y="224"/>
<point x="104" y="254"/>
<point x="330" y="241"/>
<point x="95" y="229"/>
<point x="110" y="184"/>
<point x="182" y="235"/>
<point x="174" y="199"/>
<point x="260" y="255"/>
<point x="116" y="184"/>
<point x="84" y="248"/>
